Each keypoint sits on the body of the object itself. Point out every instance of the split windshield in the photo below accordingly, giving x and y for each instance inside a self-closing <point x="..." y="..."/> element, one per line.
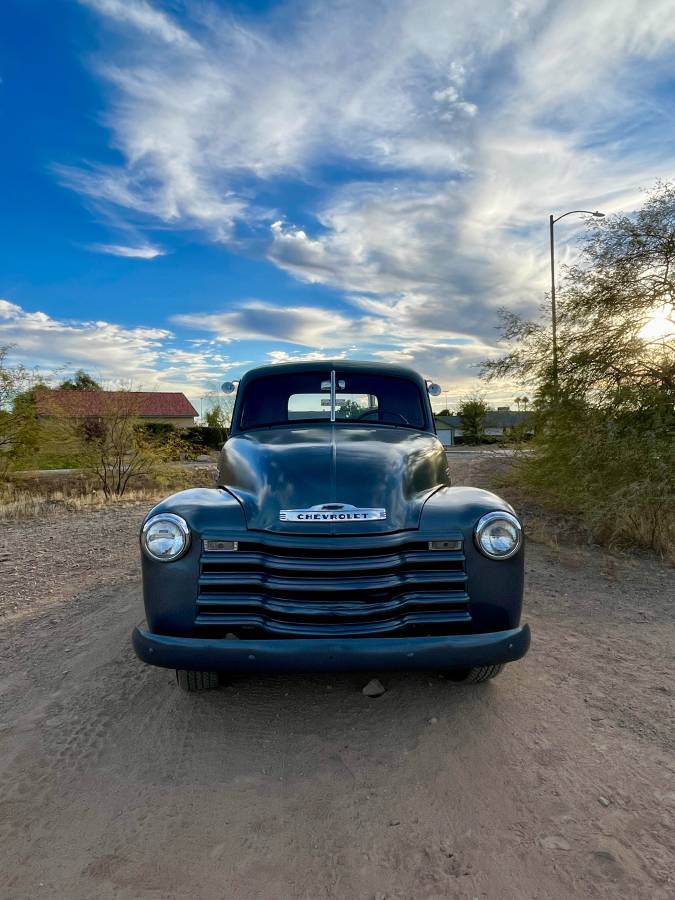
<point x="332" y="396"/>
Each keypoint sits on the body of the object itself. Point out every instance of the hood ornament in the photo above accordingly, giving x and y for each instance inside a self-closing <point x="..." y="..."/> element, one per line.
<point x="334" y="513"/>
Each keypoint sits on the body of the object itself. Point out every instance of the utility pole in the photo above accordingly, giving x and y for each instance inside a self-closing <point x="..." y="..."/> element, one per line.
<point x="554" y="313"/>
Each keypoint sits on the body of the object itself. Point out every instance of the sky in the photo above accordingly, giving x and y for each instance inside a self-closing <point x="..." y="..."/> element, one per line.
<point x="190" y="188"/>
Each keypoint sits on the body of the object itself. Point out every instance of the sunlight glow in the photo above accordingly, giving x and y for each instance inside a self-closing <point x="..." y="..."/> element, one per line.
<point x="661" y="324"/>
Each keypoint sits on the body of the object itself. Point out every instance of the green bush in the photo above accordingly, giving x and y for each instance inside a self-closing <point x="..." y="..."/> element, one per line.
<point x="158" y="430"/>
<point x="612" y="471"/>
<point x="205" y="437"/>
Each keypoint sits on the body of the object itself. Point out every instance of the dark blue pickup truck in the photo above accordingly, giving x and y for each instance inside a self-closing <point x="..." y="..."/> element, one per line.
<point x="333" y="541"/>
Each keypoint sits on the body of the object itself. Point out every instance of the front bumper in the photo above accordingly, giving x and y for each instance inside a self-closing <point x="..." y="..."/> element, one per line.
<point x="331" y="654"/>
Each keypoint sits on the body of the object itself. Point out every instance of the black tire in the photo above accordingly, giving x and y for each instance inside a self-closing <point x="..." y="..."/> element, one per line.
<point x="196" y="681"/>
<point x="475" y="675"/>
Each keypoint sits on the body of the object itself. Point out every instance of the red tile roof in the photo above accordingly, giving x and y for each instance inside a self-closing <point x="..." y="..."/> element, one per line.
<point x="150" y="404"/>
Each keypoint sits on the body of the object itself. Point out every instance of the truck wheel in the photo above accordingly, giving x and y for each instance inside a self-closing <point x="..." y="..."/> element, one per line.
<point x="197" y="681"/>
<point x="474" y="675"/>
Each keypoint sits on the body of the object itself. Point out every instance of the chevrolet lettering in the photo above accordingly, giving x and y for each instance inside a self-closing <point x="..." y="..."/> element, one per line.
<point x="332" y="541"/>
<point x="332" y="512"/>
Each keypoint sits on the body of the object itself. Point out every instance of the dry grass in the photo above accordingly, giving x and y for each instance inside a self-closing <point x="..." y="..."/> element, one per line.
<point x="637" y="524"/>
<point x="632" y="527"/>
<point x="26" y="498"/>
<point x="21" y="504"/>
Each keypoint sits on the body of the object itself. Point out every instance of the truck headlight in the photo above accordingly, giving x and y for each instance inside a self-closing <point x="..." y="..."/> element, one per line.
<point x="499" y="535"/>
<point x="165" y="537"/>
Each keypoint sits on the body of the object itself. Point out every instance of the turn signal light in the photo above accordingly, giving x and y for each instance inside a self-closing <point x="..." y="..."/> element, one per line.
<point x="219" y="546"/>
<point x="445" y="545"/>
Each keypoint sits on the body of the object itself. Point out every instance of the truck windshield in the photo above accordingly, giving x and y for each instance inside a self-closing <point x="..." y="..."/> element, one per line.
<point x="332" y="396"/>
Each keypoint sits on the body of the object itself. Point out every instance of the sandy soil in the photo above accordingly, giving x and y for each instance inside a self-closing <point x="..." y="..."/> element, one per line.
<point x="557" y="780"/>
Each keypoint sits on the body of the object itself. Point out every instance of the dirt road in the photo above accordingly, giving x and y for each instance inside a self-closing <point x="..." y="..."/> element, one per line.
<point x="557" y="780"/>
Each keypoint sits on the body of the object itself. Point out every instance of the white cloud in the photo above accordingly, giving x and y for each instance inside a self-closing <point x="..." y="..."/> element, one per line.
<point x="456" y="128"/>
<point x="113" y="350"/>
<point x="283" y="356"/>
<point x="146" y="357"/>
<point x="143" y="16"/>
<point x="200" y="131"/>
<point x="157" y="359"/>
<point x="145" y="251"/>
<point x="395" y="87"/>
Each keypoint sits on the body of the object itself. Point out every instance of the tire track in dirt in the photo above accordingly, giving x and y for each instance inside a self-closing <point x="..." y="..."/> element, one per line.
<point x="555" y="781"/>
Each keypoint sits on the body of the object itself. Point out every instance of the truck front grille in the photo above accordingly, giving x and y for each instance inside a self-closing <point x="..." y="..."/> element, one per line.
<point x="353" y="589"/>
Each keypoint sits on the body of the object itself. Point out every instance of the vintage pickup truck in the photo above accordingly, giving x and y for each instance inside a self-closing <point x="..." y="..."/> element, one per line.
<point x="333" y="541"/>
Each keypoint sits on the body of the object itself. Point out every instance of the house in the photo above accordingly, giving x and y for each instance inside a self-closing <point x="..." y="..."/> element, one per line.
<point x="502" y="421"/>
<point x="162" y="407"/>
<point x="499" y="422"/>
<point x="446" y="429"/>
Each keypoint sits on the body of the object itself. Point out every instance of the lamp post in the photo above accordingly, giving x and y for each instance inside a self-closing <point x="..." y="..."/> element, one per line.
<point x="554" y="320"/>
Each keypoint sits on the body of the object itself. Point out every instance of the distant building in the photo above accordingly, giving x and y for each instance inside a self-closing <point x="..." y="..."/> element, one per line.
<point x="148" y="406"/>
<point x="446" y="429"/>
<point x="498" y="423"/>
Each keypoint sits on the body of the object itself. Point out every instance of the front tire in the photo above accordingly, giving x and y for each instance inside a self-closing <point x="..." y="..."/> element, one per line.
<point x="475" y="675"/>
<point x="196" y="681"/>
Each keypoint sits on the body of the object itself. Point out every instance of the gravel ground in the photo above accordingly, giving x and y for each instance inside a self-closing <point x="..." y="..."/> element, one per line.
<point x="557" y="780"/>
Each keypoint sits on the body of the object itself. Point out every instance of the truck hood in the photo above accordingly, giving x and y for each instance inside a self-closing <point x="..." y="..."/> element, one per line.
<point x="300" y="467"/>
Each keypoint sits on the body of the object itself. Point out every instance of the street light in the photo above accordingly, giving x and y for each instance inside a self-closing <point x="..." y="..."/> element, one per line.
<point x="554" y="319"/>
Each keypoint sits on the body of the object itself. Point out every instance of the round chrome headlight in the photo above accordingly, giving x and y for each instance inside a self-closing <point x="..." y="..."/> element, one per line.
<point x="499" y="535"/>
<point x="165" y="537"/>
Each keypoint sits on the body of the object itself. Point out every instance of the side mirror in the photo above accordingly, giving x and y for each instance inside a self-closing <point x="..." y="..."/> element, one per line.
<point x="229" y="387"/>
<point x="434" y="390"/>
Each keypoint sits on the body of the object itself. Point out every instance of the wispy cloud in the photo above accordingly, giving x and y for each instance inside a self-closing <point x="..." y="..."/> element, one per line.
<point x="146" y="18"/>
<point x="145" y="251"/>
<point x="435" y="137"/>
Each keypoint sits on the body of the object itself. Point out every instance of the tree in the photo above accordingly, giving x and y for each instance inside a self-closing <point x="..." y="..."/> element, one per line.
<point x="608" y="351"/>
<point x="518" y="401"/>
<point x="218" y="416"/>
<point x="18" y="423"/>
<point x="472" y="411"/>
<point x="81" y="381"/>
<point x="112" y="446"/>
<point x="349" y="409"/>
<point x="604" y="442"/>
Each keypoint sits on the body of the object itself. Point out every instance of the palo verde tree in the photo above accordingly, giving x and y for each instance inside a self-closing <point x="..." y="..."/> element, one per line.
<point x="604" y="445"/>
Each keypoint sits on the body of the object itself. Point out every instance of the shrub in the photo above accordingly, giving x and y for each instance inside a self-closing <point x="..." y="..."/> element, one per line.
<point x="158" y="430"/>
<point x="613" y="472"/>
<point x="168" y="442"/>
<point x="206" y="437"/>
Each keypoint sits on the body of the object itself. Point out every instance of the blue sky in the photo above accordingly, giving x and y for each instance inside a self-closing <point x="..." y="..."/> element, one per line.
<point x="192" y="188"/>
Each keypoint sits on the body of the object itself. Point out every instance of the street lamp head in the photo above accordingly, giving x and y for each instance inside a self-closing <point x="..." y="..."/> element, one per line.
<point x="598" y="215"/>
